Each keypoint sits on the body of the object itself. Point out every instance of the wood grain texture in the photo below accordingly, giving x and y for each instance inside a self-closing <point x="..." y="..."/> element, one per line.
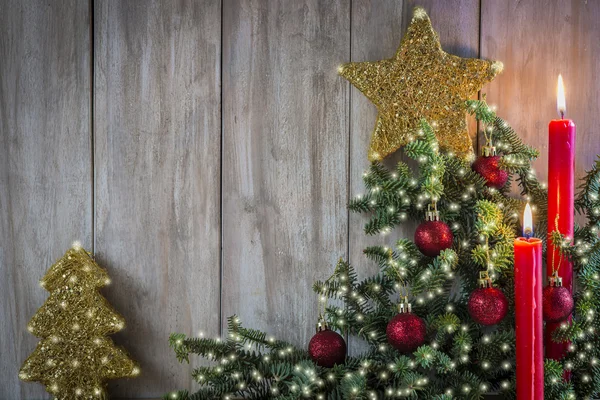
<point x="377" y="29"/>
<point x="537" y="40"/>
<point x="285" y="158"/>
<point x="157" y="151"/>
<point x="45" y="163"/>
<point x="144" y="187"/>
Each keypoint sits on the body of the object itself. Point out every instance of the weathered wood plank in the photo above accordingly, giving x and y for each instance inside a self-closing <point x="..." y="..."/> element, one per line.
<point x="537" y="40"/>
<point x="45" y="162"/>
<point x="157" y="153"/>
<point x="377" y="29"/>
<point x="285" y="157"/>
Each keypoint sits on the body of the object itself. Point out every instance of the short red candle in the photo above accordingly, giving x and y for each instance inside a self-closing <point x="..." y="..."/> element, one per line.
<point x="529" y="324"/>
<point x="561" y="196"/>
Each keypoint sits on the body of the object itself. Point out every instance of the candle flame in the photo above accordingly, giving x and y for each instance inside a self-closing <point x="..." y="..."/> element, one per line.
<point x="561" y="103"/>
<point x="527" y="222"/>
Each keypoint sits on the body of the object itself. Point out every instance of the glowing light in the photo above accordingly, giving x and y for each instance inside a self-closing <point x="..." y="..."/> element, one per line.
<point x="561" y="104"/>
<point x="527" y="222"/>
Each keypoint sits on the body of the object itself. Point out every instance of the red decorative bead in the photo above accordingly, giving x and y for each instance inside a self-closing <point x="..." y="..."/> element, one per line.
<point x="487" y="306"/>
<point x="557" y="303"/>
<point x="327" y="348"/>
<point x="431" y="237"/>
<point x="488" y="168"/>
<point x="405" y="332"/>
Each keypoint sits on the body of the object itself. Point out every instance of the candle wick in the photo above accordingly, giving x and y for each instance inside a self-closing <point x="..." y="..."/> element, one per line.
<point x="562" y="114"/>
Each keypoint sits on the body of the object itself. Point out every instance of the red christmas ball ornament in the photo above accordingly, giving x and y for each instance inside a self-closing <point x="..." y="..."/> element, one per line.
<point x="327" y="348"/>
<point x="431" y="237"/>
<point x="488" y="168"/>
<point x="487" y="305"/>
<point x="406" y="331"/>
<point x="557" y="301"/>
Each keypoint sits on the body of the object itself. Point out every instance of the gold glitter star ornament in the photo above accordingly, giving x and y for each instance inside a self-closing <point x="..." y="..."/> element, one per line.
<point x="420" y="81"/>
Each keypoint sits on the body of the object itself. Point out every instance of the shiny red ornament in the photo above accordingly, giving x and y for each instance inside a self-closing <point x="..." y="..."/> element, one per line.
<point x="487" y="306"/>
<point x="406" y="332"/>
<point x="557" y="303"/>
<point x="327" y="348"/>
<point x="488" y="168"/>
<point x="431" y="237"/>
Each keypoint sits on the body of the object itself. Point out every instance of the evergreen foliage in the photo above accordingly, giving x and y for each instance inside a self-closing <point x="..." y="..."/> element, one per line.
<point x="460" y="359"/>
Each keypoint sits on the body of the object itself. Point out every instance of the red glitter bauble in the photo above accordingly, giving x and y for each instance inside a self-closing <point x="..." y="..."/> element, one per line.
<point x="487" y="306"/>
<point x="405" y="332"/>
<point x="488" y="168"/>
<point x="431" y="237"/>
<point x="557" y="303"/>
<point x="327" y="348"/>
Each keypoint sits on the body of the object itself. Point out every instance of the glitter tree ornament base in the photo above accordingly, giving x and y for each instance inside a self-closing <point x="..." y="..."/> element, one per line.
<point x="432" y="236"/>
<point x="75" y="358"/>
<point x="487" y="305"/>
<point x="327" y="348"/>
<point x="557" y="301"/>
<point x="420" y="81"/>
<point x="406" y="331"/>
<point x="488" y="166"/>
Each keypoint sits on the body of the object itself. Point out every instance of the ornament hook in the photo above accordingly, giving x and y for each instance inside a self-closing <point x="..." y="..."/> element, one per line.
<point x="555" y="280"/>
<point x="489" y="149"/>
<point x="404" y="306"/>
<point x="321" y="324"/>
<point x="432" y="213"/>
<point x="484" y="279"/>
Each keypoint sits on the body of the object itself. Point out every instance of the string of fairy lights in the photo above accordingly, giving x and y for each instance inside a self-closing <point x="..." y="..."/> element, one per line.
<point x="401" y="261"/>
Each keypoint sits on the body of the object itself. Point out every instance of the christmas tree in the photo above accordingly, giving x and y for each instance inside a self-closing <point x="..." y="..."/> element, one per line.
<point x="74" y="357"/>
<point x="438" y="317"/>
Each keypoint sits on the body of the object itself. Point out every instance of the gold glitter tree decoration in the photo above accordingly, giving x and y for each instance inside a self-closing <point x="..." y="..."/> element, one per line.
<point x="420" y="81"/>
<point x="75" y="358"/>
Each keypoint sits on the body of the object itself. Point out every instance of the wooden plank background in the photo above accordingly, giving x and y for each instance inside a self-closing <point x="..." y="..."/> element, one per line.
<point x="285" y="159"/>
<point x="206" y="150"/>
<point x="45" y="162"/>
<point x="157" y="166"/>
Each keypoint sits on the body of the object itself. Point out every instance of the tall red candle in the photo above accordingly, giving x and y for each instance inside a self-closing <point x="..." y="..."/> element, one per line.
<point x="561" y="196"/>
<point x="529" y="325"/>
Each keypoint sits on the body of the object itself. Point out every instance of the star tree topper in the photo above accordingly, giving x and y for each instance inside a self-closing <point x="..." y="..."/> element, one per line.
<point x="420" y="81"/>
